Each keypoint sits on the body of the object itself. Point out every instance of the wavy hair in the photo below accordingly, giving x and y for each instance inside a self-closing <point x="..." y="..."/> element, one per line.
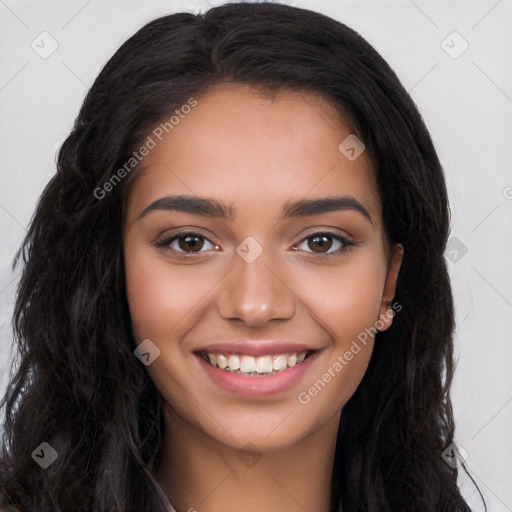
<point x="77" y="384"/>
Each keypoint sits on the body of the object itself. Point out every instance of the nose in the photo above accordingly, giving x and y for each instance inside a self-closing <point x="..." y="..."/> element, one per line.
<point x="255" y="294"/>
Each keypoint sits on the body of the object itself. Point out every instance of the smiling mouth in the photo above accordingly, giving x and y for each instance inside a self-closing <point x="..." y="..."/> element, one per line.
<point x="251" y="366"/>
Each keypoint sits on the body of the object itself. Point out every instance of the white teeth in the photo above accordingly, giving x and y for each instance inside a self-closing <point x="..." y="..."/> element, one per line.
<point x="234" y="363"/>
<point x="264" y="364"/>
<point x="256" y="365"/>
<point x="247" y="364"/>
<point x="222" y="361"/>
<point x="279" y="363"/>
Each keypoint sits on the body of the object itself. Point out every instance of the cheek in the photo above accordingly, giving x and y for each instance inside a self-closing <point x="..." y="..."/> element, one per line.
<point x="160" y="295"/>
<point x="345" y="299"/>
<point x="346" y="303"/>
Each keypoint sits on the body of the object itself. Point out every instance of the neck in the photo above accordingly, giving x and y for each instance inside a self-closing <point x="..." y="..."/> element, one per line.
<point x="197" y="472"/>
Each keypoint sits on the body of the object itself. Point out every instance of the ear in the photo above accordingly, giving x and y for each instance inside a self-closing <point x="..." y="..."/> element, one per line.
<point x="386" y="312"/>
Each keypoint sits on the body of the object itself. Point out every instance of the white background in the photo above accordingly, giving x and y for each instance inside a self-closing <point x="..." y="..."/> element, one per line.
<point x="467" y="105"/>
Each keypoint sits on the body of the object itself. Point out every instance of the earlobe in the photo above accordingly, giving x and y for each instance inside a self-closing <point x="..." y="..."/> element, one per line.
<point x="386" y="312"/>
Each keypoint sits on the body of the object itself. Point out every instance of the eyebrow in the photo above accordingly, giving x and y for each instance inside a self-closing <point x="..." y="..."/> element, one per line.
<point x="191" y="204"/>
<point x="213" y="208"/>
<point x="305" y="207"/>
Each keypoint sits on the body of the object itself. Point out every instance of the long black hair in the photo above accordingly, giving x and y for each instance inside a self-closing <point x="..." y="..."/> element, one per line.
<point x="78" y="385"/>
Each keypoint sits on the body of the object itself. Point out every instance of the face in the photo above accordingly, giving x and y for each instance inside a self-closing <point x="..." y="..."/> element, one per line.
<point x="257" y="264"/>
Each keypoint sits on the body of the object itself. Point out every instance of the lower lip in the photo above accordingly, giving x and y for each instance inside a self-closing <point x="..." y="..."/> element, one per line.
<point x="259" y="385"/>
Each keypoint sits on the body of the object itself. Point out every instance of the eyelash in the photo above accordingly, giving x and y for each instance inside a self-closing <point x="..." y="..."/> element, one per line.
<point x="345" y="243"/>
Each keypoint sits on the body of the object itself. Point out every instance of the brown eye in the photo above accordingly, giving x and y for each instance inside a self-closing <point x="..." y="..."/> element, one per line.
<point x="190" y="243"/>
<point x="320" y="243"/>
<point x="324" y="244"/>
<point x="187" y="243"/>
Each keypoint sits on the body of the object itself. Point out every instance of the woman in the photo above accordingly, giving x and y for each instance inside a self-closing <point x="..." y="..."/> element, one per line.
<point x="234" y="294"/>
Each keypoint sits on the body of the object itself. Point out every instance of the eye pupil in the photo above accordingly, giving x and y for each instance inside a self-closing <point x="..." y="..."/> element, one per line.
<point x="190" y="243"/>
<point x="320" y="243"/>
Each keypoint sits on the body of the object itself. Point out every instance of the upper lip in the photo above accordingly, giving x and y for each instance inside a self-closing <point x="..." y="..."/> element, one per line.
<point x="256" y="348"/>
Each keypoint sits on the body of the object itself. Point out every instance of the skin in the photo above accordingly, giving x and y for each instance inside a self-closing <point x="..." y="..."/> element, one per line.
<point x="255" y="152"/>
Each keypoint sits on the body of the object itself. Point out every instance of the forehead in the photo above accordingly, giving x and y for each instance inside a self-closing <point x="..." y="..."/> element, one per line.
<point x="249" y="148"/>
